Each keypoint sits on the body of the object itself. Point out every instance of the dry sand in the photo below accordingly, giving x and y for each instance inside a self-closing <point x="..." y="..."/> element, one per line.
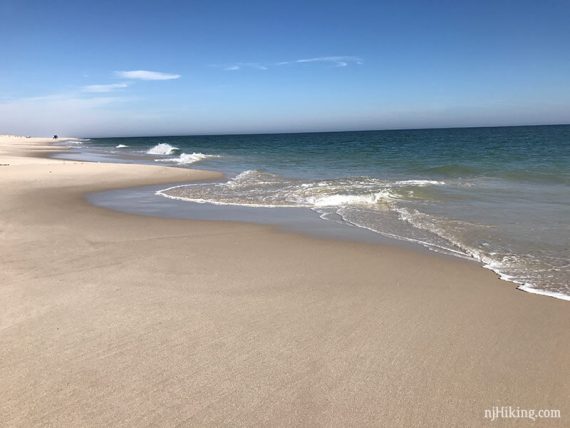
<point x="110" y="319"/>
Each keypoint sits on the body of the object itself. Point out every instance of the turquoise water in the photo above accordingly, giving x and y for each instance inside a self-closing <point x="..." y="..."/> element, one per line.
<point x="499" y="195"/>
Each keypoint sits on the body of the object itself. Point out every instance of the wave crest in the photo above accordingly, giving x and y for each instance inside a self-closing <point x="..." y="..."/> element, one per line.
<point x="188" y="158"/>
<point x="162" y="149"/>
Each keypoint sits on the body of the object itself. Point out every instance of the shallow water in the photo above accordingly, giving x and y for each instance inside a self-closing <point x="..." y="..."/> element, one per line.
<point x="499" y="195"/>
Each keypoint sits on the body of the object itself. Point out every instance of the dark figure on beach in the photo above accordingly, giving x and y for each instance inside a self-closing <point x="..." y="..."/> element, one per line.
<point x="55" y="137"/>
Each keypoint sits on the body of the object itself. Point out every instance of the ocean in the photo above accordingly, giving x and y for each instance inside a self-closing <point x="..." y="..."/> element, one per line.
<point x="500" y="195"/>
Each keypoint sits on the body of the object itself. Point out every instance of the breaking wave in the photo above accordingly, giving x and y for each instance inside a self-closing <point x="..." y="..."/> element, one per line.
<point x="188" y="158"/>
<point x="162" y="149"/>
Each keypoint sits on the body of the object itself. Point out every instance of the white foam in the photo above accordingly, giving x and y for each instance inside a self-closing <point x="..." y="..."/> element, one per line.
<point x="245" y="175"/>
<point x="533" y="290"/>
<point x="162" y="149"/>
<point x="188" y="158"/>
<point x="344" y="199"/>
<point x="214" y="202"/>
<point x="121" y="146"/>
<point x="420" y="183"/>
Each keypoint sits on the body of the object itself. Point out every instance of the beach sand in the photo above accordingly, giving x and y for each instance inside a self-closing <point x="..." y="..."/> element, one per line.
<point x="111" y="319"/>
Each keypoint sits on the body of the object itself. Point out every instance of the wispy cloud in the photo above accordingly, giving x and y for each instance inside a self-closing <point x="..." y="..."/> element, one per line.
<point x="337" y="61"/>
<point x="104" y="88"/>
<point x="241" y="65"/>
<point x="146" y="75"/>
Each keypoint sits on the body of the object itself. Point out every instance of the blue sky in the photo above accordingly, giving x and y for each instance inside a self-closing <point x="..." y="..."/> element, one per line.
<point x="102" y="68"/>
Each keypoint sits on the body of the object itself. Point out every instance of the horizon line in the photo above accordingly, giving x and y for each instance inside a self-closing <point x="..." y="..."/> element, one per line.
<point x="330" y="132"/>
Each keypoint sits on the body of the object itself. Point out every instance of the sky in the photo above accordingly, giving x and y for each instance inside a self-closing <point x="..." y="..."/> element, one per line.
<point x="127" y="68"/>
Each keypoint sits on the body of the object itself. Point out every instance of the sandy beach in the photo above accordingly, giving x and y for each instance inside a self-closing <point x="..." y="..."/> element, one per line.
<point x="111" y="319"/>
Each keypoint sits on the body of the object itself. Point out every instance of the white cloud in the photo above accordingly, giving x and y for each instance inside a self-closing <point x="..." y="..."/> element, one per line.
<point x="104" y="88"/>
<point x="338" y="61"/>
<point x="240" y="65"/>
<point x="146" y="75"/>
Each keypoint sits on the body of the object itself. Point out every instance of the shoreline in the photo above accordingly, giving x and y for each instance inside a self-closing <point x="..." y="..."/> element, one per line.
<point x="385" y="239"/>
<point x="112" y="318"/>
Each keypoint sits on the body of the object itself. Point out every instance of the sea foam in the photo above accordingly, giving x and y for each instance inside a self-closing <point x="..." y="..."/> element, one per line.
<point x="188" y="158"/>
<point x="420" y="183"/>
<point x="162" y="149"/>
<point x="263" y="189"/>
